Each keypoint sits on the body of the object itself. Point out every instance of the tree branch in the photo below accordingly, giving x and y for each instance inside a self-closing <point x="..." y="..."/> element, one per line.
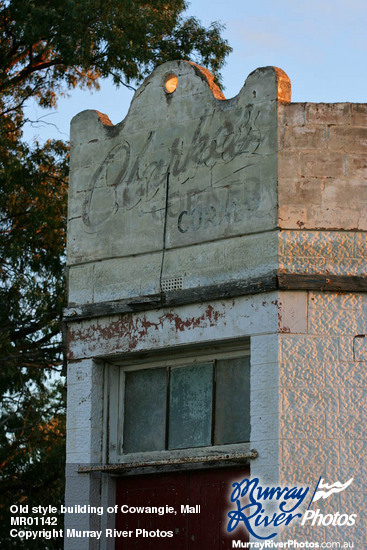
<point x="27" y="71"/>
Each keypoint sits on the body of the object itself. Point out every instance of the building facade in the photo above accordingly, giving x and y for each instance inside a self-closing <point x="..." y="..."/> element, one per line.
<point x="217" y="303"/>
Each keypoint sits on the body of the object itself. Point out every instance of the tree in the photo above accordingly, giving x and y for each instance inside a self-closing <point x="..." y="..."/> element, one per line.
<point x="47" y="48"/>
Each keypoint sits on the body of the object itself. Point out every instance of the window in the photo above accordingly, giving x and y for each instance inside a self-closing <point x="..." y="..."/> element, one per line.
<point x="180" y="404"/>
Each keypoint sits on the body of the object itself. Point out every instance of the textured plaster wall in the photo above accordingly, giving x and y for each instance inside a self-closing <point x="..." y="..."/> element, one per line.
<point x="323" y="252"/>
<point x="322" y="406"/>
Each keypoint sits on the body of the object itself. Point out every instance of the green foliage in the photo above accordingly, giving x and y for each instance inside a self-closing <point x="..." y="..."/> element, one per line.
<point x="47" y="48"/>
<point x="45" y="45"/>
<point x="32" y="238"/>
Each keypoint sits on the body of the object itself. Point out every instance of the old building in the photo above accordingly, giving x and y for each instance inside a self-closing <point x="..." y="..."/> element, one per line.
<point x="217" y="307"/>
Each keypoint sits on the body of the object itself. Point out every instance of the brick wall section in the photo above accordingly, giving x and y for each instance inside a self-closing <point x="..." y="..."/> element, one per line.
<point x="322" y="403"/>
<point x="322" y="173"/>
<point x="322" y="166"/>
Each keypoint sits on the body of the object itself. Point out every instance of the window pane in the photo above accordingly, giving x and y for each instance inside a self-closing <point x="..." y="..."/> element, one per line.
<point x="145" y="410"/>
<point x="232" y="401"/>
<point x="190" y="406"/>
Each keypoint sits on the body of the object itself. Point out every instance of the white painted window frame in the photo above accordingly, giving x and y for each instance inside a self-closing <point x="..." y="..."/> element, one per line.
<point x="114" y="391"/>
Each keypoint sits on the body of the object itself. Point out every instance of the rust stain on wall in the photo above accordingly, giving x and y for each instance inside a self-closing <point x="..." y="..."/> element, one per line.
<point x="134" y="329"/>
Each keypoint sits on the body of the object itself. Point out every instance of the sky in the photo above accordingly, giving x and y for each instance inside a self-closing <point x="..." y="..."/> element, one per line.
<point x="320" y="44"/>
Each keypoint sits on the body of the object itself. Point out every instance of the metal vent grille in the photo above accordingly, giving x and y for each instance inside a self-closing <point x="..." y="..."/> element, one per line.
<point x="171" y="284"/>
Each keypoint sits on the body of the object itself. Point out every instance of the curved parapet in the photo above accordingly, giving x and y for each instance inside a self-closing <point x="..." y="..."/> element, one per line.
<point x="185" y="168"/>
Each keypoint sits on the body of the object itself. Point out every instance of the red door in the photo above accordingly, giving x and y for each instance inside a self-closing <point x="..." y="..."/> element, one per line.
<point x="209" y="489"/>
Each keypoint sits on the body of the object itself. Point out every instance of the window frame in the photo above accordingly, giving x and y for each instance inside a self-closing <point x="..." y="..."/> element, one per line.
<point x="114" y="396"/>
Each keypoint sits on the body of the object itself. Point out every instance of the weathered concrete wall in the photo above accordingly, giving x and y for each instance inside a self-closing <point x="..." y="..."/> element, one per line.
<point x="184" y="168"/>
